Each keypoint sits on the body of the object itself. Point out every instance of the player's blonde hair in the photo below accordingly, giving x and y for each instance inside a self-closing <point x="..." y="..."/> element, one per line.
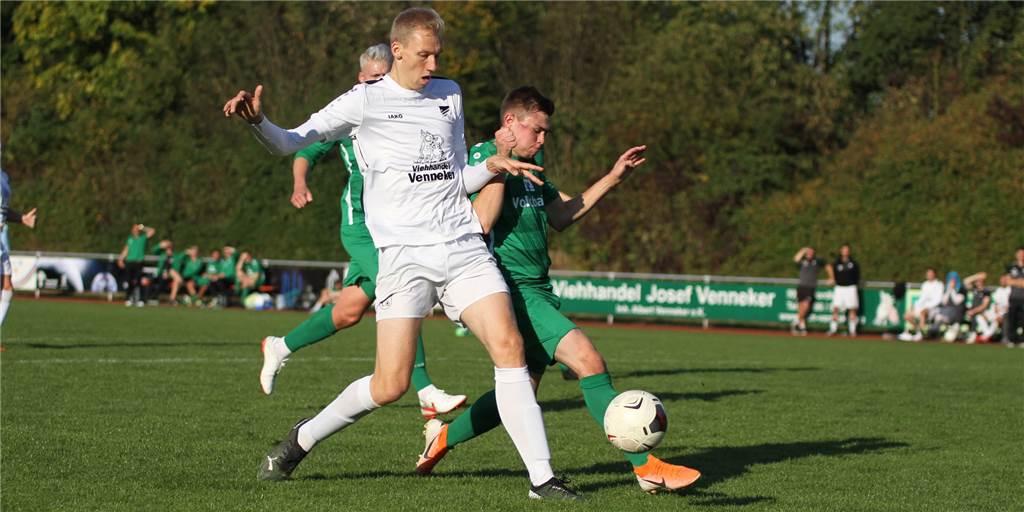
<point x="376" y="53"/>
<point x="416" y="18"/>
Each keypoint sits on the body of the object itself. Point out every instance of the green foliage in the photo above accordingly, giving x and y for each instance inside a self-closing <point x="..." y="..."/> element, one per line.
<point x="112" y="116"/>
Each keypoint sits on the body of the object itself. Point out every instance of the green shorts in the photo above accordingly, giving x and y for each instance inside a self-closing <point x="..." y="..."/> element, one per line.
<point x="540" y="323"/>
<point x="362" y="268"/>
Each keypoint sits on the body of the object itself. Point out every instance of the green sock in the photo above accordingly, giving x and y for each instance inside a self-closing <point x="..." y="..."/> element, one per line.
<point x="478" y="419"/>
<point x="319" y="326"/>
<point x="420" y="379"/>
<point x="598" y="393"/>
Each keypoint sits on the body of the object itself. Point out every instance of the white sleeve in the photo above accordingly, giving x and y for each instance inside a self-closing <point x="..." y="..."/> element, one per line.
<point x="474" y="177"/>
<point x="339" y="119"/>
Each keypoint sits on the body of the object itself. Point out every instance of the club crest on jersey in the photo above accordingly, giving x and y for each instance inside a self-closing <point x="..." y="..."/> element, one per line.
<point x="432" y="164"/>
<point x="431" y="149"/>
<point x="529" y="186"/>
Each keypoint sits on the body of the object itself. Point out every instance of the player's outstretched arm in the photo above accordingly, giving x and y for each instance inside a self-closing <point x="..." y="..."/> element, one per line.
<point x="335" y="121"/>
<point x="567" y="210"/>
<point x="474" y="177"/>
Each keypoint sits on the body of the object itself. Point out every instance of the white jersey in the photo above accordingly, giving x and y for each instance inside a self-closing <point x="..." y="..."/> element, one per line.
<point x="1001" y="300"/>
<point x="412" y="151"/>
<point x="931" y="294"/>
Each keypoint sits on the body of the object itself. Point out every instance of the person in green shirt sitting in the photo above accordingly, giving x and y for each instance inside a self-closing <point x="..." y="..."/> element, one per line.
<point x="192" y="267"/>
<point x="250" y="275"/>
<point x="168" y="271"/>
<point x="131" y="259"/>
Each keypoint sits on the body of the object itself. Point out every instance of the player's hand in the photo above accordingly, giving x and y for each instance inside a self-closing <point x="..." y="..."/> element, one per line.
<point x="29" y="219"/>
<point x="631" y="159"/>
<point x="831" y="282"/>
<point x="301" y="196"/>
<point x="505" y="141"/>
<point x="246" y="105"/>
<point x="120" y="263"/>
<point x="498" y="164"/>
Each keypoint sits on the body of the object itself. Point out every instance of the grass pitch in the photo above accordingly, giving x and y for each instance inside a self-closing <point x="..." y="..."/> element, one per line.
<point x="110" y="408"/>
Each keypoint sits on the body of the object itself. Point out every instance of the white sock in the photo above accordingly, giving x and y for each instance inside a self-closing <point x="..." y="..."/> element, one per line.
<point x="425" y="393"/>
<point x="982" y="324"/>
<point x="852" y="327"/>
<point x="5" y="302"/>
<point x="352" y="404"/>
<point x="833" y="326"/>
<point x="279" y="347"/>
<point x="522" y="419"/>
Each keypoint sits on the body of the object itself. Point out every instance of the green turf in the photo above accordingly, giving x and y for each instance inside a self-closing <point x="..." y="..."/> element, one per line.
<point x="113" y="408"/>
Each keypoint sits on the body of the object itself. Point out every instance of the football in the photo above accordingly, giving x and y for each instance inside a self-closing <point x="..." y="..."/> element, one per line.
<point x="635" y="421"/>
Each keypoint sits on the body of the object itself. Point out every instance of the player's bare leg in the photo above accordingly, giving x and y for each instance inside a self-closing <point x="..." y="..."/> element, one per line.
<point x="396" y="350"/>
<point x="492" y="321"/>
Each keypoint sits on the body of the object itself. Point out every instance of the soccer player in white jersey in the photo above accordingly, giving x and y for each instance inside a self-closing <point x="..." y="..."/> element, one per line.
<point x="8" y="216"/>
<point x="409" y="131"/>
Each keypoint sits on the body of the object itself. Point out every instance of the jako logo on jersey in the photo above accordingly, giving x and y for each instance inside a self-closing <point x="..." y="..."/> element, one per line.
<point x="444" y="110"/>
<point x="528" y="202"/>
<point x="394" y="116"/>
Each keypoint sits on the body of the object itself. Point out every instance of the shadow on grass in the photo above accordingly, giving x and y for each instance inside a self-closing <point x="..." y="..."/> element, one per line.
<point x="681" y="371"/>
<point x="566" y="404"/>
<point x="717" y="464"/>
<point x="724" y="463"/>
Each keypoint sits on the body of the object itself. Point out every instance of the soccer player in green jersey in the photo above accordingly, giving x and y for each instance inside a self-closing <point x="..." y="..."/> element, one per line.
<point x="132" y="256"/>
<point x="517" y="229"/>
<point x="359" y="287"/>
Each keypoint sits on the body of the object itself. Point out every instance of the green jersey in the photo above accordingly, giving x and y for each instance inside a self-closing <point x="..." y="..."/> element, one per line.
<point x="174" y="261"/>
<point x="213" y="267"/>
<point x="519" y="238"/>
<point x="253" y="268"/>
<point x="227" y="266"/>
<point x="352" y="214"/>
<point x="136" y="247"/>
<point x="192" y="268"/>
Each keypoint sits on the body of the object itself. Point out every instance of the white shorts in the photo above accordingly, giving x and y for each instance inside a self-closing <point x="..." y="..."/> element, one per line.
<point x="5" y="253"/>
<point x="412" y="278"/>
<point x="845" y="297"/>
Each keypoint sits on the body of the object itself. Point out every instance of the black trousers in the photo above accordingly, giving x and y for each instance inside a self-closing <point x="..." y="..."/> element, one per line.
<point x="132" y="278"/>
<point x="1014" y="318"/>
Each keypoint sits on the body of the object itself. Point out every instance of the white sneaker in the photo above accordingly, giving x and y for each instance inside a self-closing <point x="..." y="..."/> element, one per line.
<point x="972" y="337"/>
<point x="438" y="402"/>
<point x="273" y="361"/>
<point x="905" y="336"/>
<point x="917" y="336"/>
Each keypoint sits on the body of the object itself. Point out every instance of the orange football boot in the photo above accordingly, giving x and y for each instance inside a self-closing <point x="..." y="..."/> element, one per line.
<point x="659" y="476"/>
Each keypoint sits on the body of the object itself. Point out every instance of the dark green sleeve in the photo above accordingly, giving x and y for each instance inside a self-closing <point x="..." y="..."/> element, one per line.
<point x="314" y="152"/>
<point x="550" y="191"/>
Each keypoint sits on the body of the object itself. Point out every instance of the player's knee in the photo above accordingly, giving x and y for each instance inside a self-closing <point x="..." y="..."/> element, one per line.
<point x="387" y="389"/>
<point x="590" y="364"/>
<point x="507" y="350"/>
<point x="344" y="317"/>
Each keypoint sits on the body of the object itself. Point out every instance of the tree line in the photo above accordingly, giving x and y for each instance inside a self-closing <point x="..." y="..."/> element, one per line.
<point x="897" y="127"/>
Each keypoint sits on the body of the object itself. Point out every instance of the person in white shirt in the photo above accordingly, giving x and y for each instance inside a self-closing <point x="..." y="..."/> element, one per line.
<point x="930" y="298"/>
<point x="408" y="129"/>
